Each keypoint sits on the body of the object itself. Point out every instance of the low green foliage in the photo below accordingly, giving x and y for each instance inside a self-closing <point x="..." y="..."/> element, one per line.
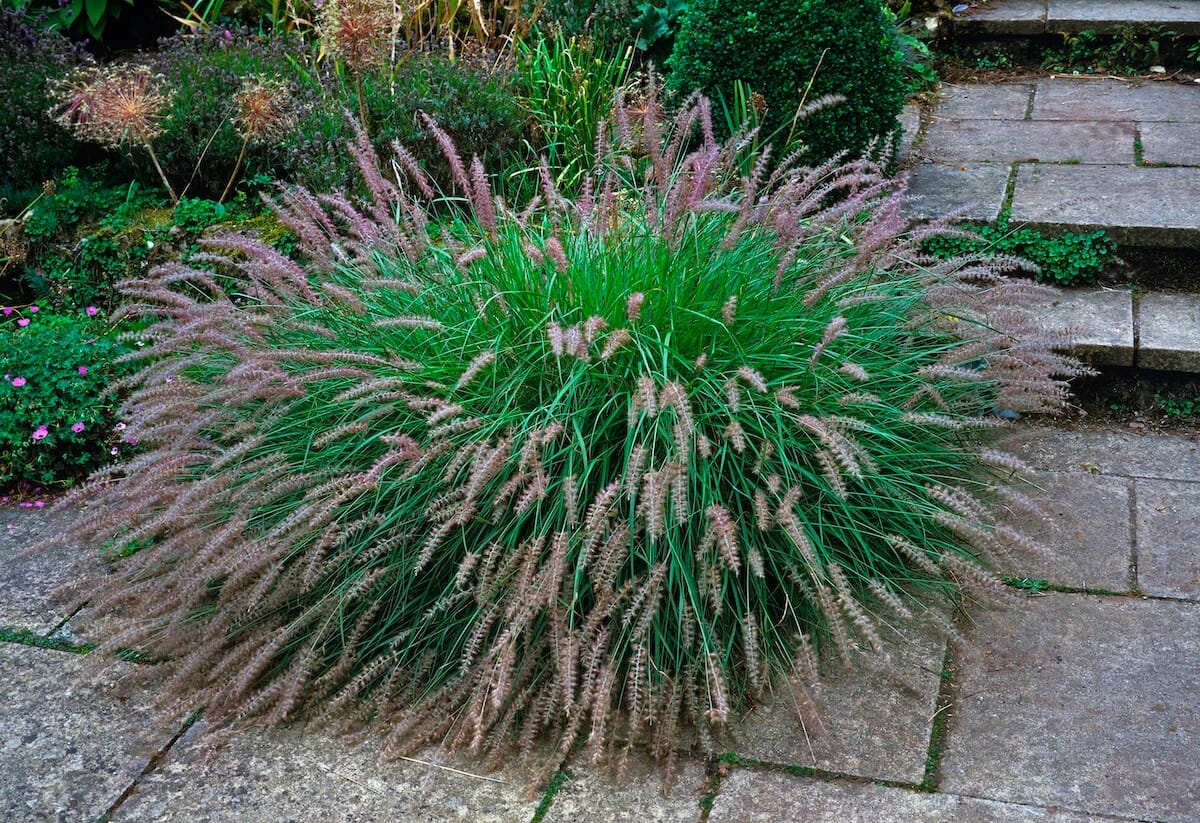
<point x="1178" y="406"/>
<point x="1068" y="259"/>
<point x="56" y="423"/>
<point x="1132" y="50"/>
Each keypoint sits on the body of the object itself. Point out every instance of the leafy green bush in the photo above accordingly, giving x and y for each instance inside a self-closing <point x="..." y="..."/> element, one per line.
<point x="608" y="23"/>
<point x="56" y="423"/>
<point x="32" y="146"/>
<point x="798" y="51"/>
<point x="1068" y="259"/>
<point x="600" y="470"/>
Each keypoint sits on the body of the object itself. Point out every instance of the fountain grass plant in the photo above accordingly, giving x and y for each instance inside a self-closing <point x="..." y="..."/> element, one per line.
<point x="592" y="473"/>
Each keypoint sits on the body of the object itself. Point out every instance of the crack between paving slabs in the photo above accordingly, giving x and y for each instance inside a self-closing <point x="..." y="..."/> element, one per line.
<point x="151" y="766"/>
<point x="1133" y="535"/>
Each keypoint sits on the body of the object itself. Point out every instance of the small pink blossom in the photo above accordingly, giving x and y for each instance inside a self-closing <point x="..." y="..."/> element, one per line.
<point x="77" y="427"/>
<point x="40" y="432"/>
<point x="8" y="310"/>
<point x="39" y="504"/>
<point x="33" y="308"/>
<point x="92" y="311"/>
<point x="114" y="450"/>
<point x="24" y="321"/>
<point x="120" y="427"/>
<point x="18" y="382"/>
<point x="83" y="369"/>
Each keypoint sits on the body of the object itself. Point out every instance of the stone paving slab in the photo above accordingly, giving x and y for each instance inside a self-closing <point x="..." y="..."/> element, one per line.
<point x="1100" y="322"/>
<point x="1083" y="702"/>
<point x="1009" y="141"/>
<point x="26" y="583"/>
<point x="1112" y="16"/>
<point x="1168" y="514"/>
<point x="1105" y="450"/>
<point x="1170" y="331"/>
<point x="983" y="101"/>
<point x="72" y="737"/>
<point x="1138" y="206"/>
<point x="1090" y="98"/>
<point x="1012" y="17"/>
<point x="1174" y="144"/>
<point x="1085" y="531"/>
<point x="873" y="719"/>
<point x="756" y="797"/>
<point x="638" y="798"/>
<point x="285" y="775"/>
<point x="972" y="191"/>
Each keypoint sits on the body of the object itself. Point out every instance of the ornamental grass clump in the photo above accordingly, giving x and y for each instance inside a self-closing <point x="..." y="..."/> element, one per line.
<point x="593" y="473"/>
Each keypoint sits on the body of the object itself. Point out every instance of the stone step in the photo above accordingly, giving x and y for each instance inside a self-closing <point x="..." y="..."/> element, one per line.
<point x="1158" y="331"/>
<point x="1009" y="18"/>
<point x="1066" y="154"/>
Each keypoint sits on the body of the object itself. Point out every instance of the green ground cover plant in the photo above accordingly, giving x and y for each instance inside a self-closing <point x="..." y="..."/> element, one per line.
<point x="57" y="421"/>
<point x="1068" y="259"/>
<point x="592" y="472"/>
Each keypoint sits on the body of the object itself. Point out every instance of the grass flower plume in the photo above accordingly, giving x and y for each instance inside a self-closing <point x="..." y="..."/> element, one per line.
<point x="595" y="472"/>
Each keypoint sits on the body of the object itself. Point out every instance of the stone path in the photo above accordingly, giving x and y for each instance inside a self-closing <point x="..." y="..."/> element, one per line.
<point x="1033" y="17"/>
<point x="1082" y="154"/>
<point x="1075" y="701"/>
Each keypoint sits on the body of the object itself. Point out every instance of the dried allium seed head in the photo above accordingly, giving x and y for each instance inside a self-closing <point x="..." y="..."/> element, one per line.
<point x="356" y="31"/>
<point x="113" y="104"/>
<point x="264" y="109"/>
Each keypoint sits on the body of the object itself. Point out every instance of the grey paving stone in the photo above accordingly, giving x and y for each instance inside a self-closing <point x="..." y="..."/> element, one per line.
<point x="26" y="583"/>
<point x="638" y="798"/>
<point x="1090" y="98"/>
<point x="1085" y="530"/>
<point x="1009" y="17"/>
<point x="754" y="797"/>
<point x="1083" y="702"/>
<point x="873" y="719"/>
<point x="1170" y="332"/>
<point x="983" y="101"/>
<point x="1112" y="16"/>
<point x="1100" y="322"/>
<point x="1105" y="450"/>
<point x="72" y="737"/>
<point x="972" y="191"/>
<point x="1176" y="144"/>
<point x="910" y="127"/>
<point x="1008" y="141"/>
<point x="284" y="775"/>
<point x="1168" y="512"/>
<point x="1138" y="206"/>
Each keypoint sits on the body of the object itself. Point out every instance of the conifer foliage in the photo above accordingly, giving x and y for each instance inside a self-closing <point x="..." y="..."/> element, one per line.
<point x="592" y="472"/>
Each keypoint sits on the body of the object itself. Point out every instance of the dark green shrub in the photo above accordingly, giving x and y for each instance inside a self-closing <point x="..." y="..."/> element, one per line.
<point x="609" y="23"/>
<point x="33" y="148"/>
<point x="798" y="50"/>
<point x="56" y="423"/>
<point x="598" y="471"/>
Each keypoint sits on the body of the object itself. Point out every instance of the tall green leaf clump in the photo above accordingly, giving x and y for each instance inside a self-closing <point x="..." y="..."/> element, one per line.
<point x="796" y="52"/>
<point x="596" y="472"/>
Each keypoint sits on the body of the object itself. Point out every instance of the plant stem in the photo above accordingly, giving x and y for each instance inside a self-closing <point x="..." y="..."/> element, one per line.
<point x="161" y="174"/>
<point x="236" y="168"/>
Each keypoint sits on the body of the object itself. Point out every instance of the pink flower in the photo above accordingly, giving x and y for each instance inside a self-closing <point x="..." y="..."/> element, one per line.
<point x="39" y="504"/>
<point x="92" y="311"/>
<point x="7" y="311"/>
<point x="24" y="321"/>
<point x="40" y="432"/>
<point x="18" y="382"/>
<point x="83" y="369"/>
<point x="120" y="427"/>
<point x="77" y="427"/>
<point x="114" y="450"/>
<point x="33" y="308"/>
